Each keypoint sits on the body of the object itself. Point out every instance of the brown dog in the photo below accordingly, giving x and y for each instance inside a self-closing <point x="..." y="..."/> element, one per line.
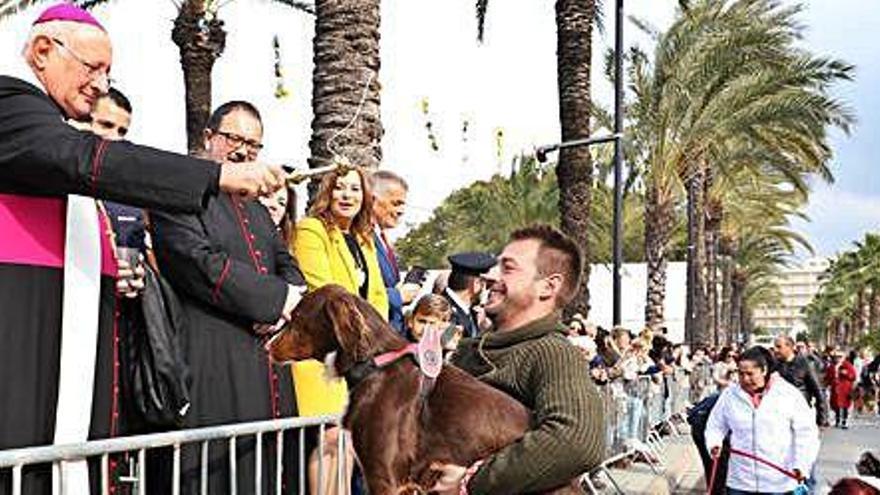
<point x="398" y="432"/>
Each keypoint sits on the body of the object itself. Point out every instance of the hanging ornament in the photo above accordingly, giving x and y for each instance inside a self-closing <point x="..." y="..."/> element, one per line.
<point x="429" y="125"/>
<point x="465" y="123"/>
<point x="280" y="88"/>
<point x="499" y="145"/>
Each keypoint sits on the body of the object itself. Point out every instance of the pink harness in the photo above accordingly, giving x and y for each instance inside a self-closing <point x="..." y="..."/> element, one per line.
<point x="428" y="353"/>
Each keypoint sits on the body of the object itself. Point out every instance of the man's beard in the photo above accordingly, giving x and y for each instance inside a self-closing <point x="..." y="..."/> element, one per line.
<point x="508" y="306"/>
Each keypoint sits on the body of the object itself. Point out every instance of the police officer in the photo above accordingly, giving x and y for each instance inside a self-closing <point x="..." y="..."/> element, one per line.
<point x="464" y="288"/>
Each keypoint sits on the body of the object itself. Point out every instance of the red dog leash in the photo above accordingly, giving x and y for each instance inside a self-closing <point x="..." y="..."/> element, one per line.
<point x="715" y="461"/>
<point x="748" y="455"/>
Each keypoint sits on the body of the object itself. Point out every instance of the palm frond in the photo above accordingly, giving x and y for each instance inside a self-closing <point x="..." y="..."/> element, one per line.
<point x="307" y="7"/>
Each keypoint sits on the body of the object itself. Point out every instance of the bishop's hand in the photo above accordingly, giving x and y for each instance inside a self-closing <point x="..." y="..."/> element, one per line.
<point x="251" y="179"/>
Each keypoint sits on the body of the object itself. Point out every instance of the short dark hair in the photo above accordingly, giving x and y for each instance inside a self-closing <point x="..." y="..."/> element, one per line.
<point x="216" y="118"/>
<point x="459" y="280"/>
<point x="557" y="253"/>
<point x="118" y="99"/>
<point x="762" y="358"/>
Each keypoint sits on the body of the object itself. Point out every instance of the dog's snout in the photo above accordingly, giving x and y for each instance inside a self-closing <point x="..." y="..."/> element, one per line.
<point x="273" y="346"/>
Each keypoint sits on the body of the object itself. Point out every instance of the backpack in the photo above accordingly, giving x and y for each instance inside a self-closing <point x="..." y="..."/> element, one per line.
<point x="156" y="376"/>
<point x="698" y="415"/>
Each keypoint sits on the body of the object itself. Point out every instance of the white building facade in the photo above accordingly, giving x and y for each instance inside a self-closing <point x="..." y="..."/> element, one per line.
<point x="797" y="286"/>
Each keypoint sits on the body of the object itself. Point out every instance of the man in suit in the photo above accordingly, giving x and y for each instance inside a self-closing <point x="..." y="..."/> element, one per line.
<point x="464" y="288"/>
<point x="389" y="202"/>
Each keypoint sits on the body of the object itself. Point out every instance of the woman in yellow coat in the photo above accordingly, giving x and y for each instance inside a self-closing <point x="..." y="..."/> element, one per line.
<point x="334" y="244"/>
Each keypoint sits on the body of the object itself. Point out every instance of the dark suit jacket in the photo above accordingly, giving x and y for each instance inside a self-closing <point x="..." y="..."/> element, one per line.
<point x="462" y="318"/>
<point x="390" y="277"/>
<point x="128" y="224"/>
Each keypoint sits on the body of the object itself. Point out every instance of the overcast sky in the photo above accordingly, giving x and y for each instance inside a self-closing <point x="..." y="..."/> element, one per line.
<point x="429" y="50"/>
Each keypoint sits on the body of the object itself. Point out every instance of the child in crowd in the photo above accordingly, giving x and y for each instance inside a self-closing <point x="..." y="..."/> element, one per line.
<point x="433" y="310"/>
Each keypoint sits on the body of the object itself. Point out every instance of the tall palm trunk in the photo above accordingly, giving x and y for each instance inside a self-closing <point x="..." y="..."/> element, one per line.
<point x="724" y="325"/>
<point x="863" y="311"/>
<point x="748" y="323"/>
<point x="201" y="41"/>
<point x="346" y="57"/>
<point x="874" y="311"/>
<point x="696" y="325"/>
<point x="714" y="212"/>
<point x="574" y="173"/>
<point x="737" y="294"/>
<point x="832" y="332"/>
<point x="659" y="216"/>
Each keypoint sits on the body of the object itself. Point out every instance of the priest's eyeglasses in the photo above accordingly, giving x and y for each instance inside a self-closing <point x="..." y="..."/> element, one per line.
<point x="94" y="72"/>
<point x="237" y="141"/>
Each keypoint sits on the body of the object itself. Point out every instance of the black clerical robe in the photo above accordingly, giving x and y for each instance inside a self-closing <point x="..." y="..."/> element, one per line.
<point x="42" y="159"/>
<point x="231" y="271"/>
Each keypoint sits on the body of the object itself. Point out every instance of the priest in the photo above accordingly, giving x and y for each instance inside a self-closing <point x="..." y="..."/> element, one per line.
<point x="58" y="354"/>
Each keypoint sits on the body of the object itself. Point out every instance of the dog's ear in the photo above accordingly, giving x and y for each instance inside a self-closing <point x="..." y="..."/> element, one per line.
<point x="349" y="326"/>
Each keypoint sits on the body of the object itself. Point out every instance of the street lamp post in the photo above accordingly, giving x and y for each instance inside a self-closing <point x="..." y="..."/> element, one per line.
<point x="618" y="161"/>
<point x="617" y="137"/>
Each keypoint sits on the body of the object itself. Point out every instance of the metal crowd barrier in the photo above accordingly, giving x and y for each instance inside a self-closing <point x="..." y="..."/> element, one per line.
<point x="638" y="414"/>
<point x="58" y="455"/>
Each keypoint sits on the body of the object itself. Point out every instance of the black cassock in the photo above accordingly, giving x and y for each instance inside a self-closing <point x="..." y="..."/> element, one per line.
<point x="231" y="270"/>
<point x="42" y="159"/>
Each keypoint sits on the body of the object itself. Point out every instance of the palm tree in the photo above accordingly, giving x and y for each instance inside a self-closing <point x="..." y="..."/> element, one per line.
<point x="199" y="35"/>
<point x="574" y="171"/>
<point x="756" y="203"/>
<point x="726" y="80"/>
<point x="869" y="260"/>
<point x="345" y="99"/>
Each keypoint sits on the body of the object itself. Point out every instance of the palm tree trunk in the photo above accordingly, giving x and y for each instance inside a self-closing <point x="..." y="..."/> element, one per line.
<point x="696" y="325"/>
<point x="713" y="232"/>
<point x="863" y="311"/>
<point x="346" y="58"/>
<point x="574" y="173"/>
<point x="748" y="323"/>
<point x="659" y="215"/>
<point x="724" y="326"/>
<point x="874" y="311"/>
<point x="201" y="41"/>
<point x="737" y="294"/>
<point x="832" y="334"/>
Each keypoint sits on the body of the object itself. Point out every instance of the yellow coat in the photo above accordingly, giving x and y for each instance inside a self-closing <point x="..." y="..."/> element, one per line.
<point x="324" y="258"/>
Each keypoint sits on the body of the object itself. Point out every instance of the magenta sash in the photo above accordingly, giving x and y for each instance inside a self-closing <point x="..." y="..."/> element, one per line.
<point x="32" y="231"/>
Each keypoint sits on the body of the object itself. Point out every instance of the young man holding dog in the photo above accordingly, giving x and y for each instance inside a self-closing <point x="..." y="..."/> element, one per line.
<point x="528" y="356"/>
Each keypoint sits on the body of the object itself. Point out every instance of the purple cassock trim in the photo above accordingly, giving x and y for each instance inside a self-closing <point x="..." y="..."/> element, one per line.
<point x="32" y="233"/>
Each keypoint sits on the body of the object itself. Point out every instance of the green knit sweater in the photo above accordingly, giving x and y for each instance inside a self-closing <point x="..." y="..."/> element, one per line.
<point x="539" y="367"/>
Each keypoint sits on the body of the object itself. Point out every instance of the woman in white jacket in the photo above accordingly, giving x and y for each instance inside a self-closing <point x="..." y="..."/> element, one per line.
<point x="768" y="418"/>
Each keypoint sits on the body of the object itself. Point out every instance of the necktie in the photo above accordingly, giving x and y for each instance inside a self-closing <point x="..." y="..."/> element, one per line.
<point x="391" y="256"/>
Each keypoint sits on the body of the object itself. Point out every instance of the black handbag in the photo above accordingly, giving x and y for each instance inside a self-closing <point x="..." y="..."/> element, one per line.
<point x="157" y="377"/>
